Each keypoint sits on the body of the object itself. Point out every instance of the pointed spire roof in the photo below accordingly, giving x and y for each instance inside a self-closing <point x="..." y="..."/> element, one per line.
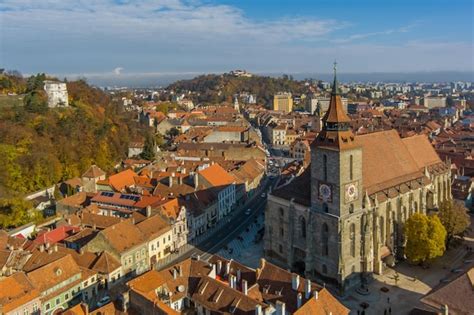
<point x="336" y="131"/>
<point x="335" y="113"/>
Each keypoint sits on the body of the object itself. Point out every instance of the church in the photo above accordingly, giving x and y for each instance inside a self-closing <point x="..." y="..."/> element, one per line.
<point x="342" y="219"/>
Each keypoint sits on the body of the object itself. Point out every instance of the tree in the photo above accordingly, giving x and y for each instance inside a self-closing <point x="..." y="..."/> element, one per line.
<point x="36" y="101"/>
<point x="425" y="237"/>
<point x="454" y="217"/>
<point x="17" y="211"/>
<point x="149" y="149"/>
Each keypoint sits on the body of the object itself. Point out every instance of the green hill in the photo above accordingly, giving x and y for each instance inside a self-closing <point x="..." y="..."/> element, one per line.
<point x="214" y="88"/>
<point x="42" y="146"/>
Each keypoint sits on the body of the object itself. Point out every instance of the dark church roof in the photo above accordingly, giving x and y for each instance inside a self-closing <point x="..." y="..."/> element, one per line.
<point x="298" y="189"/>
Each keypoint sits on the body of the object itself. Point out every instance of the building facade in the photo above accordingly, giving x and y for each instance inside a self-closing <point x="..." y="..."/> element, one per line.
<point x="57" y="94"/>
<point x="283" y="102"/>
<point x="343" y="217"/>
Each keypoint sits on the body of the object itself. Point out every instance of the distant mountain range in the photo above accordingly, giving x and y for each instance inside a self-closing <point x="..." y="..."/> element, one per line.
<point x="157" y="79"/>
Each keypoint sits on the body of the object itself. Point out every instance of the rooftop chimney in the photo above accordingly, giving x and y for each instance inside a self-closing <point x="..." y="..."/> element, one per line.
<point x="307" y="288"/>
<point x="219" y="266"/>
<point x="170" y="180"/>
<point x="295" y="281"/>
<point x="316" y="295"/>
<point x="212" y="274"/>
<point x="232" y="281"/>
<point x="244" y="287"/>
<point x="196" y="180"/>
<point x="175" y="273"/>
<point x="227" y="268"/>
<point x="258" y="309"/>
<point x="299" y="300"/>
<point x="41" y="248"/>
<point x="445" y="309"/>
<point x="180" y="270"/>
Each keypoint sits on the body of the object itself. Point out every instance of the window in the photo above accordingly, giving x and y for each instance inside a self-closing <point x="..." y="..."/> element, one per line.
<point x="325" y="269"/>
<point x="35" y="307"/>
<point x="325" y="207"/>
<point x="48" y="306"/>
<point x="280" y="249"/>
<point x="325" y="167"/>
<point x="66" y="296"/>
<point x="303" y="227"/>
<point x="282" y="232"/>
<point x="352" y="238"/>
<point x="282" y="212"/>
<point x="351" y="208"/>
<point x="351" y="161"/>
<point x="58" y="301"/>
<point x="25" y="311"/>
<point x="325" y="239"/>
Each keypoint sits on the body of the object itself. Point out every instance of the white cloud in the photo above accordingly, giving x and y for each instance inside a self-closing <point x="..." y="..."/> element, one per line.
<point x="81" y="36"/>
<point x="118" y="71"/>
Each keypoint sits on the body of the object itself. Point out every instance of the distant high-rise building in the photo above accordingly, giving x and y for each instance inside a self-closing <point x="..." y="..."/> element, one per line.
<point x="283" y="102"/>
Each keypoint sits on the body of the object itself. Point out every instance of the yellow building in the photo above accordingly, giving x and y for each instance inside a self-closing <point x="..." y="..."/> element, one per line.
<point x="283" y="102"/>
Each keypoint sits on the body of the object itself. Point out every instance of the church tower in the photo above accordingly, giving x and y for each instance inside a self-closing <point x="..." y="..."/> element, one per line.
<point x="336" y="206"/>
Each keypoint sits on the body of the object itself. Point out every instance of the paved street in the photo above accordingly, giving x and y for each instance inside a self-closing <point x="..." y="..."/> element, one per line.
<point x="228" y="230"/>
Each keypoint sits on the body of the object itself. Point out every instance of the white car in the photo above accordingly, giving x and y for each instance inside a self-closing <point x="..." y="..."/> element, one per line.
<point x="103" y="301"/>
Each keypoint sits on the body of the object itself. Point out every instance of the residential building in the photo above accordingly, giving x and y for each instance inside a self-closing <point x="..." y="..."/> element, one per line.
<point x="19" y="296"/>
<point x="218" y="179"/>
<point x="283" y="102"/>
<point x="158" y="233"/>
<point x="223" y="286"/>
<point x="126" y="243"/>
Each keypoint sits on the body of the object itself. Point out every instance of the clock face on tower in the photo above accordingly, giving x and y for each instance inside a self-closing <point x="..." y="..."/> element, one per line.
<point x="325" y="192"/>
<point x="351" y="192"/>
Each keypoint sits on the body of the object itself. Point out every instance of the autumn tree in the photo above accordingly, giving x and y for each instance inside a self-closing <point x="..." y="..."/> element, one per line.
<point x="17" y="211"/>
<point x="425" y="238"/>
<point x="454" y="217"/>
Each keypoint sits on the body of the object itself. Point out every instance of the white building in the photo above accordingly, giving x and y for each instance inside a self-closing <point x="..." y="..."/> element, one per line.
<point x="57" y="93"/>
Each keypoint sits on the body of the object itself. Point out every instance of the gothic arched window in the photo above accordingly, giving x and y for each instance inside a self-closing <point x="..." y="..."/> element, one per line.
<point x="303" y="227"/>
<point x="351" y="208"/>
<point x="351" y="166"/>
<point x="325" y="207"/>
<point x="352" y="237"/>
<point x="282" y="212"/>
<point x="325" y="239"/>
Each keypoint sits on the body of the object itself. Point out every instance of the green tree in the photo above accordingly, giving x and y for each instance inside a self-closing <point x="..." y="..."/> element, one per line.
<point x="149" y="149"/>
<point x="454" y="217"/>
<point x="36" y="102"/>
<point x="425" y="237"/>
<point x="17" y="211"/>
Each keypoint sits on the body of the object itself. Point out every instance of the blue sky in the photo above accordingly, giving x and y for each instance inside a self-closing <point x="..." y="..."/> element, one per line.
<point x="150" y="37"/>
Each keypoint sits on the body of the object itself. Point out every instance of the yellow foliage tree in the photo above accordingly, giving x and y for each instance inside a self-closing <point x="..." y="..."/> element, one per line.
<point x="425" y="237"/>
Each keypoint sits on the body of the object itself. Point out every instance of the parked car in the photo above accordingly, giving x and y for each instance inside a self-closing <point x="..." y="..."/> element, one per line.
<point x="263" y="195"/>
<point x="247" y="212"/>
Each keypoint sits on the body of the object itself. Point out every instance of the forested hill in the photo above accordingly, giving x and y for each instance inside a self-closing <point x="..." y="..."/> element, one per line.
<point x="41" y="146"/>
<point x="215" y="88"/>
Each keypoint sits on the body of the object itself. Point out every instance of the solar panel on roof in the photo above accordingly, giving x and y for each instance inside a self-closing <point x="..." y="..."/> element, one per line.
<point x="107" y="194"/>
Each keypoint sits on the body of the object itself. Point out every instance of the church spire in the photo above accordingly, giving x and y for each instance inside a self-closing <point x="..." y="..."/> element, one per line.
<point x="335" y="87"/>
<point x="336" y="129"/>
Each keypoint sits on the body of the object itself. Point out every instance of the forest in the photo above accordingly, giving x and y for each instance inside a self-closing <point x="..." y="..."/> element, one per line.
<point x="43" y="146"/>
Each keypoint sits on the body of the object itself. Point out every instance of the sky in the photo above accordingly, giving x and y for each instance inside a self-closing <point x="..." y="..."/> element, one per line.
<point x="120" y="38"/>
